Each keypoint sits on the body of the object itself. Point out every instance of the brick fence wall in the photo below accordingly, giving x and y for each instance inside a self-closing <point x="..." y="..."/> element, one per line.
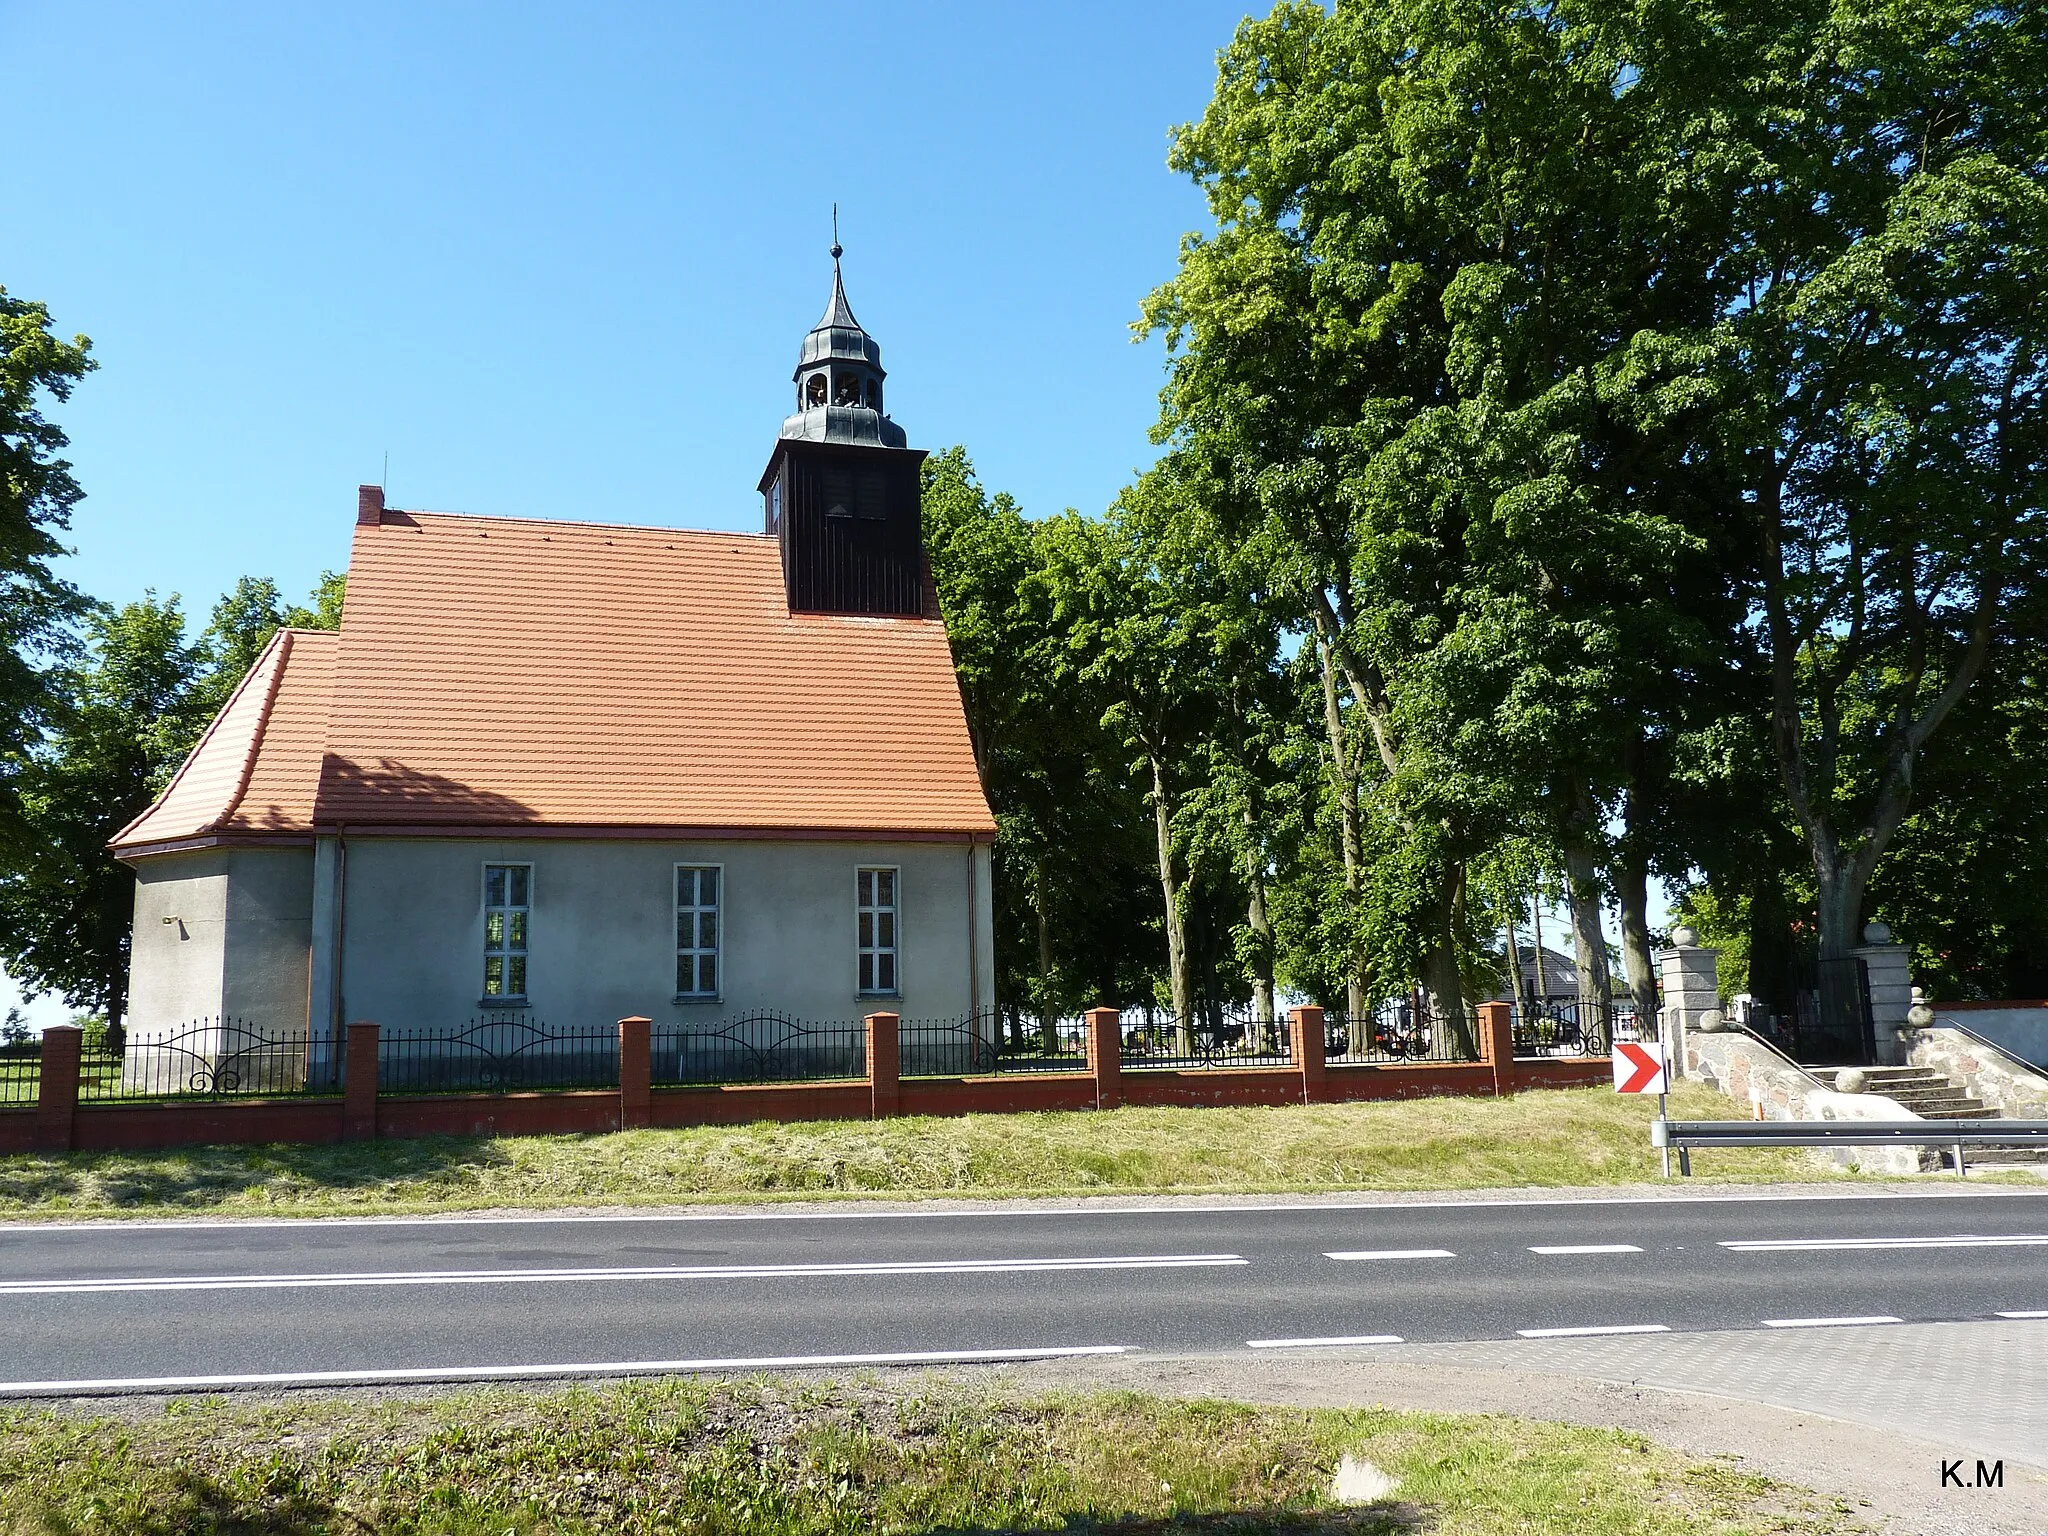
<point x="59" y="1122"/>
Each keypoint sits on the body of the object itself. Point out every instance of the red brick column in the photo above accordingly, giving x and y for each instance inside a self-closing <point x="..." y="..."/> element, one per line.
<point x="57" y="1089"/>
<point x="1106" y="1056"/>
<point x="885" y="1064"/>
<point x="1308" y="1052"/>
<point x="636" y="1073"/>
<point x="359" y="1084"/>
<point x="1497" y="1044"/>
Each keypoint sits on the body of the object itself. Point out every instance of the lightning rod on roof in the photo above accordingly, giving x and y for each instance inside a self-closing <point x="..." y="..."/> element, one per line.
<point x="835" y="231"/>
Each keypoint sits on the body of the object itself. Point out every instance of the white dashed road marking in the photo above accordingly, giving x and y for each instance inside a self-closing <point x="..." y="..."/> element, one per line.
<point x="1820" y="1244"/>
<point x="523" y="1372"/>
<point x="83" y="1287"/>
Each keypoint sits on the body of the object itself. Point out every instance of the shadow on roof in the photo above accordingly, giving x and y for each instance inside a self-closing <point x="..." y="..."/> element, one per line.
<point x="388" y="790"/>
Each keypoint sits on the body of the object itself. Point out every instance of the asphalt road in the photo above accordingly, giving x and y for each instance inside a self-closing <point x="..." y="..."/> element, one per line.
<point x="205" y="1305"/>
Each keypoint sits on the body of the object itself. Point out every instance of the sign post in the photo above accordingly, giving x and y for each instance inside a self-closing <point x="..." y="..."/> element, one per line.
<point x="1639" y="1068"/>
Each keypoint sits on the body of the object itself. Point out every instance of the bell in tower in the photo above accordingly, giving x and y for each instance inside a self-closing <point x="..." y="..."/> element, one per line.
<point x="841" y="491"/>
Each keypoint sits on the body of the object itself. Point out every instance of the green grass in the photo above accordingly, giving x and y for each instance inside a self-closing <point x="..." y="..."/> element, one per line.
<point x="916" y="1455"/>
<point x="1556" y="1138"/>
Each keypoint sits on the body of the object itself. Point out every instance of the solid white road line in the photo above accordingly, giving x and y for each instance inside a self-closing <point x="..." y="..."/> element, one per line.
<point x="1394" y="1253"/>
<point x="2018" y="1315"/>
<point x="518" y="1372"/>
<point x="1350" y="1338"/>
<point x="1589" y="1248"/>
<point x="1824" y="1322"/>
<point x="1810" y="1244"/>
<point x="1588" y="1333"/>
<point x="943" y="1212"/>
<point x="94" y="1286"/>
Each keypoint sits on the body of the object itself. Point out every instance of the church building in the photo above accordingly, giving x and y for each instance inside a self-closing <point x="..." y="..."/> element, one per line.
<point x="575" y="770"/>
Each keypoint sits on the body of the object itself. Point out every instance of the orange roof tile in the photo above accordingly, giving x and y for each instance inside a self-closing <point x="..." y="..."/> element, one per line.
<point x="582" y="677"/>
<point x="257" y="765"/>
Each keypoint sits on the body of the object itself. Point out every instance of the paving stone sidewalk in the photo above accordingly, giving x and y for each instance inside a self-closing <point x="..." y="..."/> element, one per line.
<point x="1979" y="1387"/>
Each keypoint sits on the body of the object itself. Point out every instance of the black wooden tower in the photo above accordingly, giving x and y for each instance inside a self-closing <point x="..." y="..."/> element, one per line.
<point x="841" y="491"/>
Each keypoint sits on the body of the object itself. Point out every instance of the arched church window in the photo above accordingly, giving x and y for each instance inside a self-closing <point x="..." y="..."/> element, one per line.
<point x="846" y="389"/>
<point x="814" y="390"/>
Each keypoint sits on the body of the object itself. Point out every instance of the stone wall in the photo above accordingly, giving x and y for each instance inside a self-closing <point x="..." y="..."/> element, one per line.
<point x="1774" y="1087"/>
<point x="2010" y="1086"/>
<point x="1751" y="1072"/>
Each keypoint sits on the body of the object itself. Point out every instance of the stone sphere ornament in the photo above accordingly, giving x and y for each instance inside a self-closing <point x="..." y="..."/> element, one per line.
<point x="1919" y="1016"/>
<point x="1683" y="937"/>
<point x="1851" y="1080"/>
<point x="1711" y="1021"/>
<point x="1876" y="933"/>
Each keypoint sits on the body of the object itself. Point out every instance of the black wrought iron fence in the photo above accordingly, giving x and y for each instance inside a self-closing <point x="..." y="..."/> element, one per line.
<point x="498" y="1054"/>
<point x="1228" y="1035"/>
<point x="211" y="1059"/>
<point x="1400" y="1029"/>
<point x="760" y="1048"/>
<point x="980" y="1043"/>
<point x="21" y="1072"/>
<point x="1567" y="1026"/>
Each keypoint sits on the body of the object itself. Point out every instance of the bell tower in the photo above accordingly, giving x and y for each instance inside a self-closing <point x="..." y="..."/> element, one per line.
<point x="841" y="491"/>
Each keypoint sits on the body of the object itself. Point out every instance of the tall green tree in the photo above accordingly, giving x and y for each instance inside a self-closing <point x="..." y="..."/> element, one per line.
<point x="1887" y="376"/>
<point x="37" y="494"/>
<point x="127" y="707"/>
<point x="242" y="624"/>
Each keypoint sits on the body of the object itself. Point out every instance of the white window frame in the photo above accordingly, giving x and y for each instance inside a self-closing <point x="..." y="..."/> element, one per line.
<point x="716" y="949"/>
<point x="519" y="917"/>
<point x="872" y="919"/>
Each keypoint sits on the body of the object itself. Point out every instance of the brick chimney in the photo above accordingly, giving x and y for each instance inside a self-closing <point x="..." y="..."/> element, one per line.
<point x="369" y="505"/>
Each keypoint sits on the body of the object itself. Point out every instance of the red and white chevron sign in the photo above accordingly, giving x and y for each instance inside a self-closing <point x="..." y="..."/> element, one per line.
<point x="1638" y="1068"/>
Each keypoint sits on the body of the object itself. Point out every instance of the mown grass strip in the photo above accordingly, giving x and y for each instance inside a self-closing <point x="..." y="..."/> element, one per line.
<point x="1564" y="1138"/>
<point x="736" y="1458"/>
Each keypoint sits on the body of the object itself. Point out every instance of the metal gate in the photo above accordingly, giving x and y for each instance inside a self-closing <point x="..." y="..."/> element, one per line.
<point x="1831" y="1015"/>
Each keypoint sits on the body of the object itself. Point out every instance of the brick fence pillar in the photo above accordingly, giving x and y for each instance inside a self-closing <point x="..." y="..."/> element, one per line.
<point x="636" y="1073"/>
<point x="1497" y="1044"/>
<point x="359" y="1084"/>
<point x="57" y="1088"/>
<point x="885" y="1064"/>
<point x="1308" y="1052"/>
<point x="1106" y="1056"/>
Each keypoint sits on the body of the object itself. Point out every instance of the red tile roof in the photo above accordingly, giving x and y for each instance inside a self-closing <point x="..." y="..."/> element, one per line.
<point x="577" y="677"/>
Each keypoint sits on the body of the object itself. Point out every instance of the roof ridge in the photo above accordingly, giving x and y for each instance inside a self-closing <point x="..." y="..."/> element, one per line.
<point x="281" y="642"/>
<point x="199" y="749"/>
<point x="570" y="522"/>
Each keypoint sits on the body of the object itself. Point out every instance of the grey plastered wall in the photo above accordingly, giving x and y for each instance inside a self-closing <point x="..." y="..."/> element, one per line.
<point x="602" y="937"/>
<point x="2019" y="1030"/>
<point x="176" y="967"/>
<point x="221" y="932"/>
<point x="269" y="936"/>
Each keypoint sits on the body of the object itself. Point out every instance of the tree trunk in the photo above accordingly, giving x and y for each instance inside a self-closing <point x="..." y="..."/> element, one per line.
<point x="1589" y="944"/>
<point x="1632" y="895"/>
<point x="1261" y="926"/>
<point x="1345" y="774"/>
<point x="1536" y="932"/>
<point x="1048" y="1037"/>
<point x="1176" y="931"/>
<point x="1520" y="991"/>
<point x="1441" y="979"/>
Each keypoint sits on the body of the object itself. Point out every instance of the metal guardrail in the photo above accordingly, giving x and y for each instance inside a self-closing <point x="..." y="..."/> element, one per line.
<point x="1684" y="1135"/>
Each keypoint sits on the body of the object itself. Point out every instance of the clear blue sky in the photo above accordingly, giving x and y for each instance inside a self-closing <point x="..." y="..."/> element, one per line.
<point x="557" y="260"/>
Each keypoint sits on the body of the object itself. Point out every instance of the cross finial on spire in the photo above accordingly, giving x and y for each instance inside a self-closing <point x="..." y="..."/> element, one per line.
<point x="835" y="232"/>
